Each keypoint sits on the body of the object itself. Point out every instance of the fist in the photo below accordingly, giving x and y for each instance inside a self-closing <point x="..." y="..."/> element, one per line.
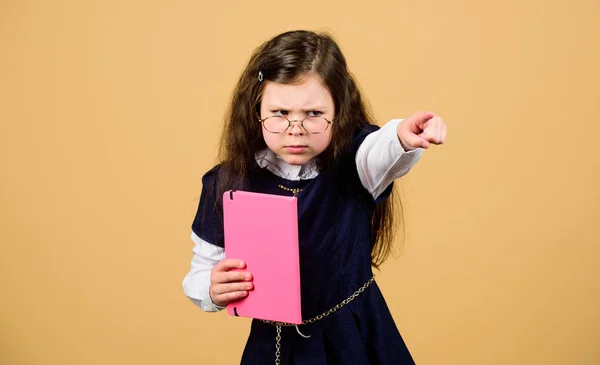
<point x="228" y="282"/>
<point x="420" y="130"/>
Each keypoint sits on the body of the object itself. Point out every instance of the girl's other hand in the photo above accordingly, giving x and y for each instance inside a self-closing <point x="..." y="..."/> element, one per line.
<point x="421" y="129"/>
<point x="228" y="285"/>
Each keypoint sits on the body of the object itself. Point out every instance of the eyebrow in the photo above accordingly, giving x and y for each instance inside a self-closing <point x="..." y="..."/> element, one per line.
<point x="280" y="107"/>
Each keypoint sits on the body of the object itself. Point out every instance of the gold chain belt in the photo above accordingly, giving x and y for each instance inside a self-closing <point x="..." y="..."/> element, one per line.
<point x="278" y="325"/>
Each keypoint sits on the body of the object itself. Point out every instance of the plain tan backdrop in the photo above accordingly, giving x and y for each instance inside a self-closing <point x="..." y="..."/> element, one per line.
<point x="110" y="112"/>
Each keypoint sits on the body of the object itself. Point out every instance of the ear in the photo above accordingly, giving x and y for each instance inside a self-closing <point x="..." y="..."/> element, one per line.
<point x="257" y="108"/>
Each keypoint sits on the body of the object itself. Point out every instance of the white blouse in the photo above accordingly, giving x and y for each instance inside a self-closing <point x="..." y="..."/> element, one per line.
<point x="380" y="160"/>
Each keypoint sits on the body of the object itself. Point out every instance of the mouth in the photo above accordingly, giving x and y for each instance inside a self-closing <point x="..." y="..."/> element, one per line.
<point x="296" y="148"/>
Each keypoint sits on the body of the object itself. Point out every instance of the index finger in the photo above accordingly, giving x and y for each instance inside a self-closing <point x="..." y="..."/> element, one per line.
<point x="423" y="117"/>
<point x="416" y="122"/>
<point x="229" y="264"/>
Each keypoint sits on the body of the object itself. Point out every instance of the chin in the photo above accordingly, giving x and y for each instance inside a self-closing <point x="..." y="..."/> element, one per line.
<point x="296" y="160"/>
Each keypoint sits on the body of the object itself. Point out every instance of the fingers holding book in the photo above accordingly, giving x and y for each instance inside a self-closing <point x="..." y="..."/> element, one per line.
<point x="229" y="282"/>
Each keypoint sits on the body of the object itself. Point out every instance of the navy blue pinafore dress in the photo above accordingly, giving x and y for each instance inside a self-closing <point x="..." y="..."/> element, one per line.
<point x="334" y="213"/>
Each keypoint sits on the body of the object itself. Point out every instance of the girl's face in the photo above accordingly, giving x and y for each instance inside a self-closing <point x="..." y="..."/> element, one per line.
<point x="308" y="97"/>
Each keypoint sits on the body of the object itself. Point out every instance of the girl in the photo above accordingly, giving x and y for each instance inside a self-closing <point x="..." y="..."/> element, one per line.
<point x="297" y="125"/>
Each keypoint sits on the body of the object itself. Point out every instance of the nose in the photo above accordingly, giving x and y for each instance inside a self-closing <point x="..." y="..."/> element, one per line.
<point x="296" y="128"/>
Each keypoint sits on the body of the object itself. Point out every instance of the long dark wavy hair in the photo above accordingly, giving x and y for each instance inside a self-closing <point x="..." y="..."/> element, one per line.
<point x="285" y="59"/>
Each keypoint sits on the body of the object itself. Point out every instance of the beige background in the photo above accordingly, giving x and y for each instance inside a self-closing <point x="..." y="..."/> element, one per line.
<point x="110" y="111"/>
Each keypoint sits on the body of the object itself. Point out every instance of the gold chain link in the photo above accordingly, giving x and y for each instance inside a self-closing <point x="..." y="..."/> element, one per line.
<point x="278" y="325"/>
<point x="278" y="346"/>
<point x="293" y="190"/>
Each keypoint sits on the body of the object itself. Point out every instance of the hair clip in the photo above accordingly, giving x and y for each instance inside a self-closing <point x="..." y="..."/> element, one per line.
<point x="260" y="76"/>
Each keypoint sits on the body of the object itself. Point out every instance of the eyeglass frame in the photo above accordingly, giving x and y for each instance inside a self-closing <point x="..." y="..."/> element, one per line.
<point x="262" y="121"/>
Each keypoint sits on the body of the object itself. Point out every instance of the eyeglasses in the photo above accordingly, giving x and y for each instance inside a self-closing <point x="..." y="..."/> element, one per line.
<point x="311" y="124"/>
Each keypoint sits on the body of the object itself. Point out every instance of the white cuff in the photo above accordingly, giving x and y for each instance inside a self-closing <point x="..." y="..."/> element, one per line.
<point x="196" y="284"/>
<point x="380" y="159"/>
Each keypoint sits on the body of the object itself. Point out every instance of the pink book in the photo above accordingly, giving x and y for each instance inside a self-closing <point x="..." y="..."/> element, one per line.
<point x="262" y="230"/>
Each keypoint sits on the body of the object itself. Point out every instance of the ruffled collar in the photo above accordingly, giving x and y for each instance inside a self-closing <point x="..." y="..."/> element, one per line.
<point x="275" y="164"/>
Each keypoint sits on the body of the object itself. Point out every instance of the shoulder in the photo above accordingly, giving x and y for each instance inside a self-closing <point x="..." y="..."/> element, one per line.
<point x="212" y="173"/>
<point x="211" y="177"/>
<point x="210" y="184"/>
<point x="345" y="167"/>
<point x="207" y="223"/>
<point x="366" y="129"/>
<point x="360" y="133"/>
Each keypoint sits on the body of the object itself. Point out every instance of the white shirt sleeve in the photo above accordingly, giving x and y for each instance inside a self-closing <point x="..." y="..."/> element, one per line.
<point x="196" y="283"/>
<point x="380" y="159"/>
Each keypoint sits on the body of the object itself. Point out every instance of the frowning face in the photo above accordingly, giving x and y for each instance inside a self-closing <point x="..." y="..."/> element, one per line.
<point x="305" y="98"/>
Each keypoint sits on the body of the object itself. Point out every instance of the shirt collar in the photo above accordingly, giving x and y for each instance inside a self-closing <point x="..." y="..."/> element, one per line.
<point x="275" y="164"/>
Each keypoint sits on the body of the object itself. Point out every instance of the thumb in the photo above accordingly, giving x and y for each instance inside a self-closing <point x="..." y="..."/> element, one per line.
<point x="413" y="141"/>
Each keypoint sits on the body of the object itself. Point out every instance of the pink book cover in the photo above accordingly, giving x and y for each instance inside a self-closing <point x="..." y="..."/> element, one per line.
<point x="262" y="230"/>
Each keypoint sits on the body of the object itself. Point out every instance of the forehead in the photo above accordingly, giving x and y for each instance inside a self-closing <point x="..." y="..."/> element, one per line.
<point x="308" y="91"/>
